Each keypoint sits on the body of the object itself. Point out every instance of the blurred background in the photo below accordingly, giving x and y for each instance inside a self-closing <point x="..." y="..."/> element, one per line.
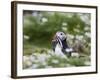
<point x="39" y="27"/>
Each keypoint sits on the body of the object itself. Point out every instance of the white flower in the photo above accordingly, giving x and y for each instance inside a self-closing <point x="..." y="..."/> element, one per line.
<point x="34" y="66"/>
<point x="64" y="28"/>
<point x="44" y="19"/>
<point x="50" y="52"/>
<point x="36" y="61"/>
<point x="87" y="34"/>
<point x="34" y="54"/>
<point x="32" y="58"/>
<point x="79" y="37"/>
<point x="25" y="58"/>
<point x="76" y="30"/>
<point x="86" y="28"/>
<point x="42" y="57"/>
<point x="27" y="63"/>
<point x="87" y="63"/>
<point x="26" y="21"/>
<point x="69" y="15"/>
<point x="44" y="63"/>
<point x="85" y="18"/>
<point x="55" y="61"/>
<point x="35" y="14"/>
<point x="64" y="24"/>
<point x="75" y="54"/>
<point x="26" y="37"/>
<point x="70" y="36"/>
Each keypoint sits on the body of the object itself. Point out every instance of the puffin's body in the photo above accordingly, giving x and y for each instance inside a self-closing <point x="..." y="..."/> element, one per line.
<point x="60" y="46"/>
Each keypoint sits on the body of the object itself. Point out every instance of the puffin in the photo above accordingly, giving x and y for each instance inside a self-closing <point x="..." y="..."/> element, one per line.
<point x="60" y="44"/>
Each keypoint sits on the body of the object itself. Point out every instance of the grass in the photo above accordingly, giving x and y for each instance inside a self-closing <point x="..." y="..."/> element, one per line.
<point x="35" y="57"/>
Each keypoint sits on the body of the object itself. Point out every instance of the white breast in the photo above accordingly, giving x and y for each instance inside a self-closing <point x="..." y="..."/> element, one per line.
<point x="58" y="51"/>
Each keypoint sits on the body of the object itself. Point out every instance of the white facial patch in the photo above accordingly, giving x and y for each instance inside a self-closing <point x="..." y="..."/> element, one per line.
<point x="61" y="35"/>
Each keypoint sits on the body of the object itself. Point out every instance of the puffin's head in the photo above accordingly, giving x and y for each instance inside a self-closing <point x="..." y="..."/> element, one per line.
<point x="59" y="38"/>
<point x="61" y="35"/>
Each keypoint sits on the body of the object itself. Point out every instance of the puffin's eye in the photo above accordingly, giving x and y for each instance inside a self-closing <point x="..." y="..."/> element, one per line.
<point x="61" y="34"/>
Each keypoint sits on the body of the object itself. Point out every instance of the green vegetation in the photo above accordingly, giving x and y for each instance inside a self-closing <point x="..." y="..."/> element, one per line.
<point x="40" y="27"/>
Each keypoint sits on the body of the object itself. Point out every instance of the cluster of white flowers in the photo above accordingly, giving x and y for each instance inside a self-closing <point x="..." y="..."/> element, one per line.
<point x="44" y="60"/>
<point x="33" y="61"/>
